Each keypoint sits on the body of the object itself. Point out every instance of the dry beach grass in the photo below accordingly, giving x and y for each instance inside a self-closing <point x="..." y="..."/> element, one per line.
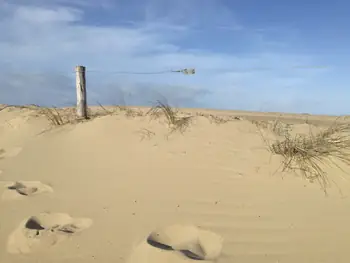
<point x="308" y="152"/>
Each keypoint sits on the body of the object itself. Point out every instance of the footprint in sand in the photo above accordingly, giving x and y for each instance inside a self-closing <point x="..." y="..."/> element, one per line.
<point x="2" y="153"/>
<point x="13" y="152"/>
<point x="178" y="243"/>
<point x="22" y="189"/>
<point x="44" y="231"/>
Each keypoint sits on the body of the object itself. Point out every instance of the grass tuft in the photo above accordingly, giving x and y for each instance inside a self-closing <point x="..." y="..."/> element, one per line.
<point x="276" y="126"/>
<point x="146" y="134"/>
<point x="53" y="116"/>
<point x="308" y="152"/>
<point x="130" y="112"/>
<point x="219" y="119"/>
<point x="174" y="120"/>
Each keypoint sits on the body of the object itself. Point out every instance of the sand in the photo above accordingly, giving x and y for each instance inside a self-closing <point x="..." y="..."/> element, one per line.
<point x="120" y="189"/>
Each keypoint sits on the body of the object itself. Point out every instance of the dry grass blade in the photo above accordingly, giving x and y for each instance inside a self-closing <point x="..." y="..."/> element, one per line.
<point x="130" y="112"/>
<point x="214" y="119"/>
<point x="121" y="107"/>
<point x="277" y="127"/>
<point x="222" y="120"/>
<point x="174" y="121"/>
<point x="53" y="116"/>
<point x="4" y="107"/>
<point x="146" y="134"/>
<point x="103" y="108"/>
<point x="308" y="152"/>
<point x="280" y="128"/>
<point x="133" y="113"/>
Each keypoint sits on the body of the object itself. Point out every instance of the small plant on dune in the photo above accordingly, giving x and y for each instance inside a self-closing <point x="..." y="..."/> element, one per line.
<point x="213" y="118"/>
<point x="105" y="111"/>
<point x="174" y="120"/>
<point x="4" y="107"/>
<point x="276" y="126"/>
<point x="130" y="112"/>
<point x="308" y="152"/>
<point x="280" y="128"/>
<point x="101" y="111"/>
<point x="53" y="116"/>
<point x="146" y="134"/>
<point x="219" y="119"/>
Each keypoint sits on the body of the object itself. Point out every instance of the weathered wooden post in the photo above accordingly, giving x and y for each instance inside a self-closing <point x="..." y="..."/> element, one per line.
<point x="81" y="92"/>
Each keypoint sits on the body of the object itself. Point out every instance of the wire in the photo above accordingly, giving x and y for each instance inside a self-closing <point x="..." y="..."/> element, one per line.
<point x="186" y="71"/>
<point x="193" y="71"/>
<point x="133" y="73"/>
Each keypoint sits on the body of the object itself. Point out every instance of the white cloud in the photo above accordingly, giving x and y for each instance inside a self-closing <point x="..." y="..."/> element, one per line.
<point x="42" y="43"/>
<point x="39" y="15"/>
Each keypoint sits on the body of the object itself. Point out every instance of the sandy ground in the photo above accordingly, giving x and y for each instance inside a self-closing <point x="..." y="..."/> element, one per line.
<point x="94" y="191"/>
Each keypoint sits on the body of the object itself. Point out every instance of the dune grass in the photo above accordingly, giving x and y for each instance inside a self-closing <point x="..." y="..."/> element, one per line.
<point x="130" y="112"/>
<point x="62" y="116"/>
<point x="146" y="134"/>
<point x="276" y="126"/>
<point x="308" y="153"/>
<point x="216" y="119"/>
<point x="175" y="121"/>
<point x="53" y="116"/>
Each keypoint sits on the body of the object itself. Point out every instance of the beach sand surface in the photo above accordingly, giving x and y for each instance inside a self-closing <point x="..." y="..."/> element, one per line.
<point x="94" y="191"/>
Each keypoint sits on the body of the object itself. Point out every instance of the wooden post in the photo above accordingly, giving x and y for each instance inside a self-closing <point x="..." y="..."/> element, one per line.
<point x="81" y="92"/>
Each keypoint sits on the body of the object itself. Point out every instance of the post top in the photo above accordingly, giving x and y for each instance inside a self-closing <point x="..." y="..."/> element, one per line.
<point x="79" y="68"/>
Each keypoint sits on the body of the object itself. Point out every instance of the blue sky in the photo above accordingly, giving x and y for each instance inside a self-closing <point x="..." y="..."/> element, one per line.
<point x="290" y="56"/>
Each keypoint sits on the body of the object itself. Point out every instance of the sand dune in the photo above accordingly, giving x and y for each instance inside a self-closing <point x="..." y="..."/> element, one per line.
<point x="120" y="188"/>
